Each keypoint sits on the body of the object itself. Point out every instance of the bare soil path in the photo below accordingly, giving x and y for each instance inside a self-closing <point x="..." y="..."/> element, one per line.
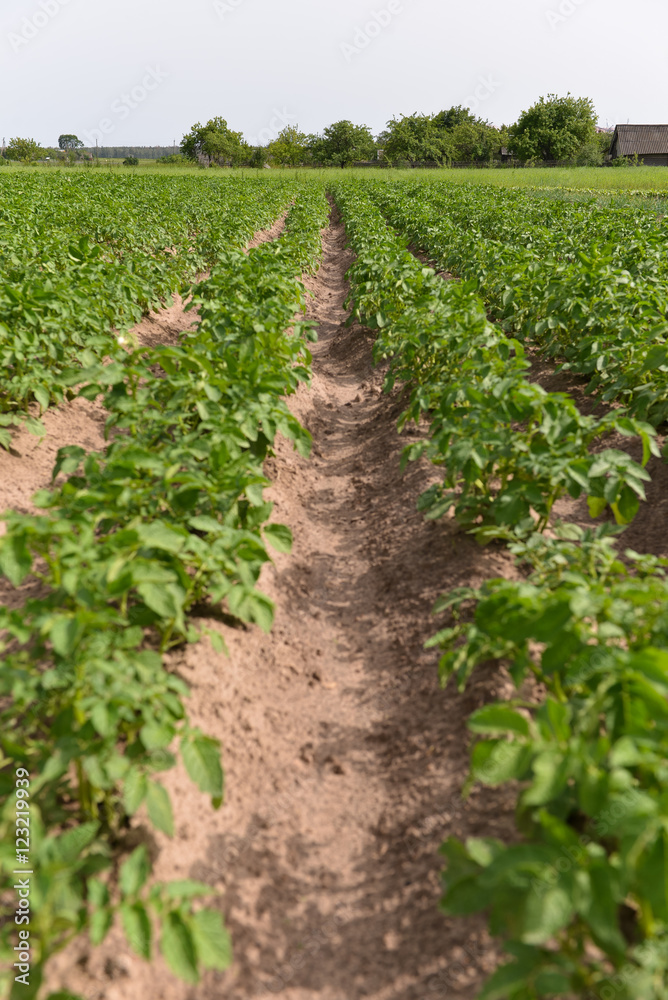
<point x="344" y="760"/>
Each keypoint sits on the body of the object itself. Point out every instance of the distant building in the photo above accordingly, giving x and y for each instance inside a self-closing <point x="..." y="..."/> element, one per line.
<point x="649" y="142"/>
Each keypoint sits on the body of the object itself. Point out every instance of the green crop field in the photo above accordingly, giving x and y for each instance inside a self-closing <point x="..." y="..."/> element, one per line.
<point x="171" y="513"/>
<point x="567" y="265"/>
<point x="589" y="287"/>
<point x="641" y="178"/>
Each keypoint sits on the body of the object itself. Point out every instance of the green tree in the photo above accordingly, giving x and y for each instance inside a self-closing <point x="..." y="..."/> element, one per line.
<point x="258" y="157"/>
<point x="477" y="141"/>
<point x="470" y="138"/>
<point x="342" y="143"/>
<point x="415" y="138"/>
<point x="556" y="128"/>
<point x="604" y="143"/>
<point x="23" y="149"/>
<point x="315" y="149"/>
<point x="593" y="153"/>
<point x="456" y="115"/>
<point x="214" y="140"/>
<point x="289" y="148"/>
<point x="69" y="142"/>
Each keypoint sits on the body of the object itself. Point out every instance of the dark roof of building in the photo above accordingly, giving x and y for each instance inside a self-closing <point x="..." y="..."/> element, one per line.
<point x="641" y="139"/>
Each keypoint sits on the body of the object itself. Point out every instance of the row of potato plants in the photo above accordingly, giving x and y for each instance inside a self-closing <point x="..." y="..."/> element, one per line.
<point x="587" y="284"/>
<point x="581" y="902"/>
<point x="83" y="258"/>
<point x="170" y="516"/>
<point x="512" y="448"/>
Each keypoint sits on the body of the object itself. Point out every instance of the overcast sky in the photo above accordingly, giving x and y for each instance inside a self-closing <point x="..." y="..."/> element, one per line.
<point x="134" y="72"/>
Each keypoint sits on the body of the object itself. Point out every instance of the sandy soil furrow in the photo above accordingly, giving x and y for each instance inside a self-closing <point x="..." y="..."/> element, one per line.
<point x="344" y="760"/>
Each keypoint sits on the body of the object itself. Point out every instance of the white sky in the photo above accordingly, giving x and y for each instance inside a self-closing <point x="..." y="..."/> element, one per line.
<point x="72" y="65"/>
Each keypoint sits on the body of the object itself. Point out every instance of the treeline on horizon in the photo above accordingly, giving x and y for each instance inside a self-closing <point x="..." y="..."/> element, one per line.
<point x="121" y="152"/>
<point x="554" y="130"/>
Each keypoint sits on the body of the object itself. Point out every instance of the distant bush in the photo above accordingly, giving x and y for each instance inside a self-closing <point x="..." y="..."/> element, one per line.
<point x="130" y="161"/>
<point x="258" y="157"/>
<point x="173" y="158"/>
<point x="590" y="155"/>
<point x="626" y="161"/>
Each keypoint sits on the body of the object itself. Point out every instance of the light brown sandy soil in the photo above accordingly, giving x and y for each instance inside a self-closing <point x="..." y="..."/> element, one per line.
<point x="27" y="467"/>
<point x="344" y="760"/>
<point x="166" y="325"/>
<point x="265" y="235"/>
<point x="647" y="533"/>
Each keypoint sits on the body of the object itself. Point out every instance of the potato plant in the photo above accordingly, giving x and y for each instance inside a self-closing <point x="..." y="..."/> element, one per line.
<point x="580" y="902"/>
<point x="509" y="448"/>
<point x="585" y="283"/>
<point x="83" y="258"/>
<point x="171" y="514"/>
<point x="591" y="871"/>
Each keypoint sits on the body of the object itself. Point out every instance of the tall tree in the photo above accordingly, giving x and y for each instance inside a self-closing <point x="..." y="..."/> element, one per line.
<point x="456" y="115"/>
<point x="471" y="138"/>
<point x="23" y="149"/>
<point x="415" y="138"/>
<point x="214" y="140"/>
<point x="476" y="141"/>
<point x="289" y="148"/>
<point x="342" y="143"/>
<point x="69" y="142"/>
<point x="555" y="128"/>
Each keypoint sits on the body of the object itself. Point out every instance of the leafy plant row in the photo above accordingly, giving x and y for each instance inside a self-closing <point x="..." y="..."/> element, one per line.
<point x="82" y="259"/>
<point x="580" y="903"/>
<point x="509" y="448"/>
<point x="171" y="516"/>
<point x="587" y="284"/>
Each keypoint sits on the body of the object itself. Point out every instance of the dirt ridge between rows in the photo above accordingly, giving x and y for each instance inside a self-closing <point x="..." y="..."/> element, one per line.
<point x="344" y="760"/>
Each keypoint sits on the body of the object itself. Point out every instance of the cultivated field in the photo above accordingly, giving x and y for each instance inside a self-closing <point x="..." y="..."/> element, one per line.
<point x="333" y="596"/>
